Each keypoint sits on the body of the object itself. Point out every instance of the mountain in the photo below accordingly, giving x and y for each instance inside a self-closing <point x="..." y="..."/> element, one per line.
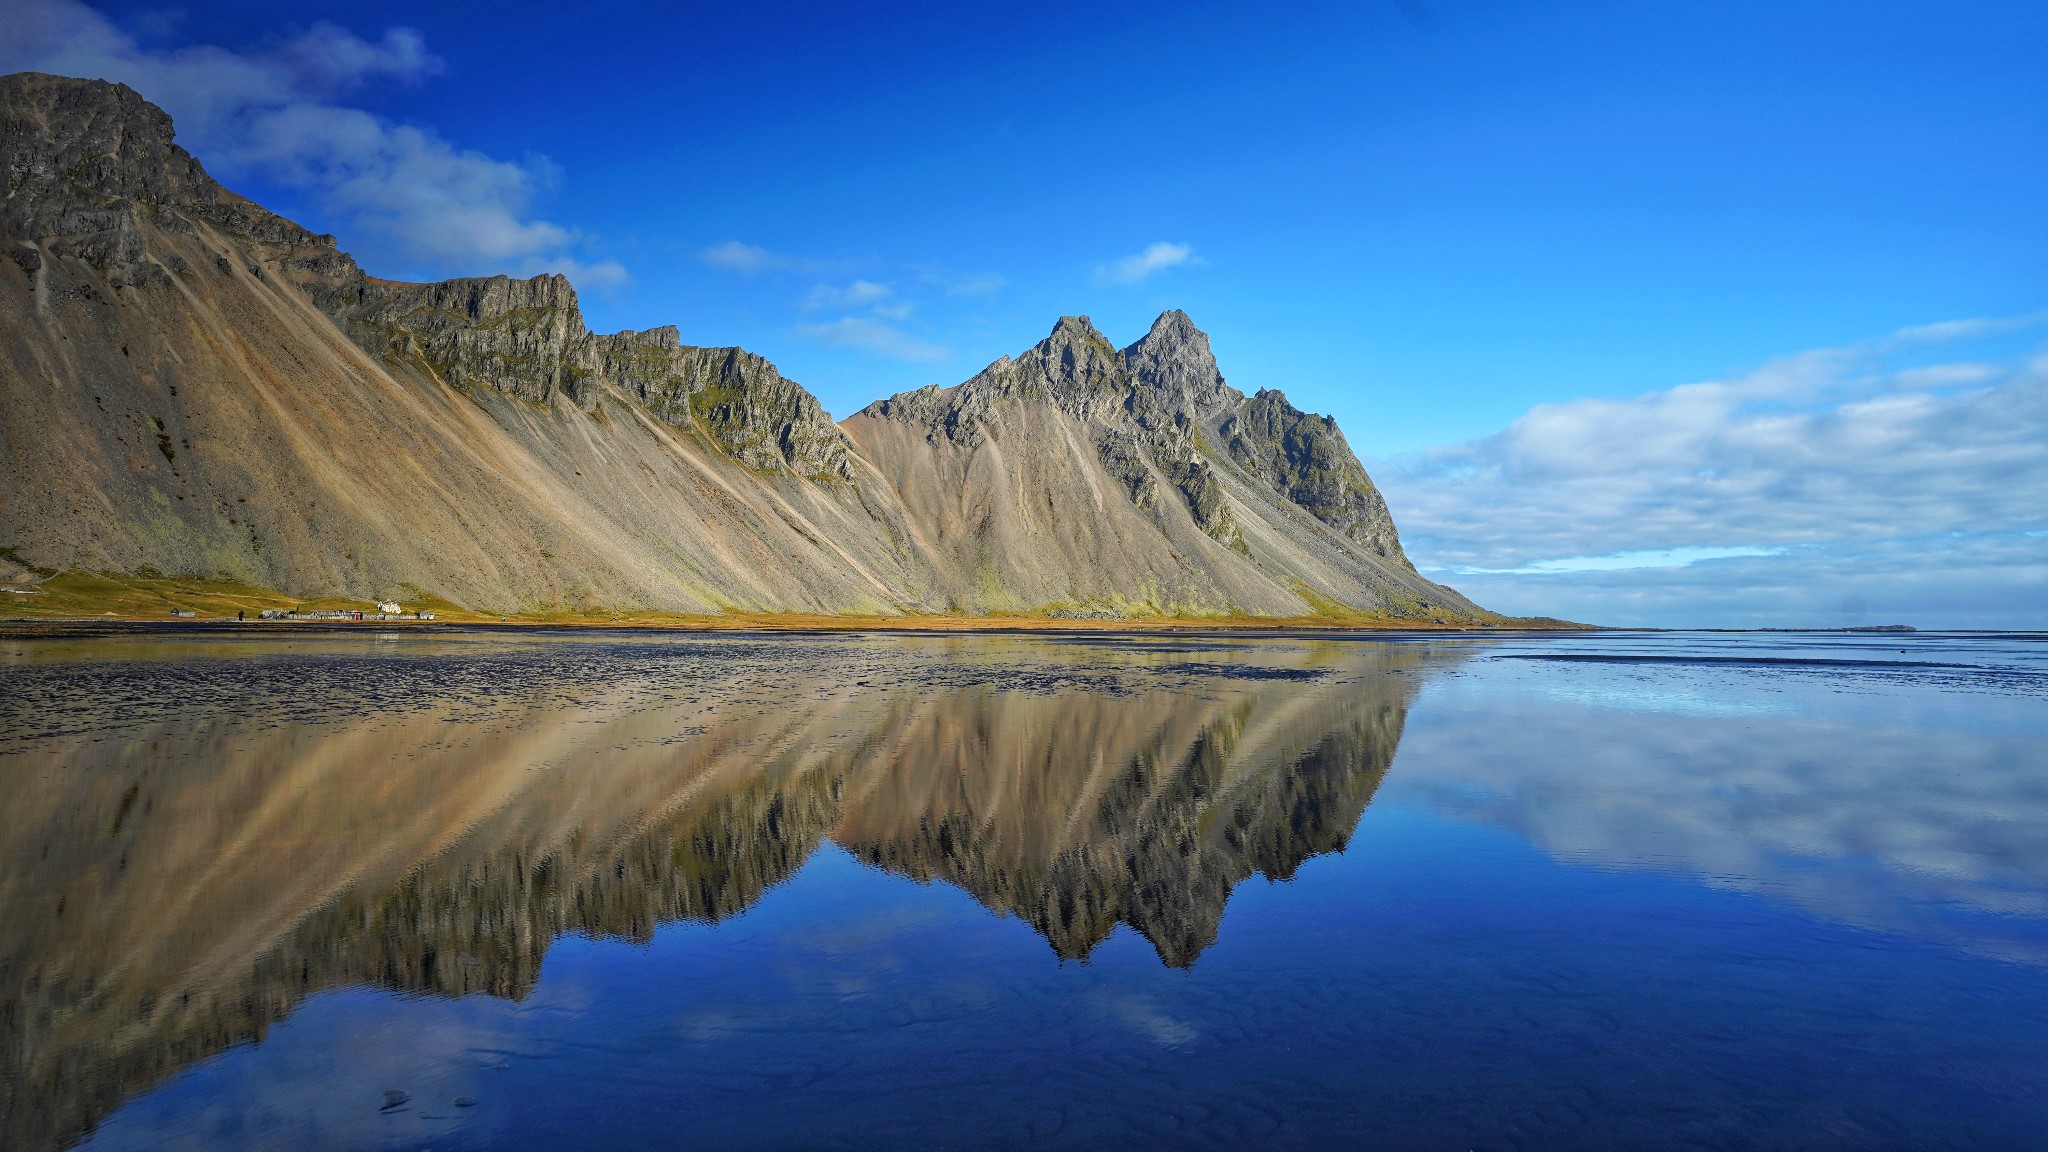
<point x="195" y="386"/>
<point x="1139" y="481"/>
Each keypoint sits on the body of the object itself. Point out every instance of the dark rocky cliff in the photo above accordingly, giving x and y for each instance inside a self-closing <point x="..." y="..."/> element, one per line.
<point x="1304" y="457"/>
<point x="90" y="167"/>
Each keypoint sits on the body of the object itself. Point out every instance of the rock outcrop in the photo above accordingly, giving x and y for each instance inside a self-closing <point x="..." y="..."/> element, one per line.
<point x="193" y="385"/>
<point x="1304" y="458"/>
<point x="738" y="399"/>
<point x="526" y="339"/>
<point x="91" y="170"/>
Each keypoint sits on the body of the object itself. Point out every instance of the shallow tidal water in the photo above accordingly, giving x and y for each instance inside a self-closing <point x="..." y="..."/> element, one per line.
<point x="474" y="888"/>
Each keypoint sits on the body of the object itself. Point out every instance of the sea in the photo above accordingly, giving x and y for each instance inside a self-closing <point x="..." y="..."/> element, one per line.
<point x="443" y="887"/>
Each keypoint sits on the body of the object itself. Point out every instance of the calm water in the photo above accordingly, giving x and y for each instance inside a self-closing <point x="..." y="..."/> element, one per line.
<point x="469" y="889"/>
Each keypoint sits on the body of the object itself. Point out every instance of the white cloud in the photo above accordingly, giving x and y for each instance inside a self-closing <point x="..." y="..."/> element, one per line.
<point x="752" y="259"/>
<point x="738" y="257"/>
<point x="1946" y="376"/>
<point x="1945" y="331"/>
<point x="1816" y="472"/>
<point x="858" y="294"/>
<point x="1139" y="265"/>
<point x="1830" y="805"/>
<point x="877" y="337"/>
<point x="1624" y="561"/>
<point x="1988" y="580"/>
<point x="877" y="300"/>
<point x="345" y="59"/>
<point x="402" y="193"/>
<point x="605" y="275"/>
<point x="871" y="312"/>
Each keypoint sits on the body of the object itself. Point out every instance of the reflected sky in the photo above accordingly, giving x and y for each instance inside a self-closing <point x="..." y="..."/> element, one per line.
<point x="1846" y="780"/>
<point x="994" y="891"/>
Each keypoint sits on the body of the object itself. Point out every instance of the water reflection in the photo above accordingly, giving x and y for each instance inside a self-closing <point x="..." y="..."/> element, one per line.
<point x="1905" y="806"/>
<point x="196" y="844"/>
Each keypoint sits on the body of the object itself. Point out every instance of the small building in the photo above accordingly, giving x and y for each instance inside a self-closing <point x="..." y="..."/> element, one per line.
<point x="389" y="607"/>
<point x="426" y="615"/>
<point x="183" y="613"/>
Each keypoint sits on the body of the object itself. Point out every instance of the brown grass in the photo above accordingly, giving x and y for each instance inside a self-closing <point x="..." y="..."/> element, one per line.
<point x="102" y="596"/>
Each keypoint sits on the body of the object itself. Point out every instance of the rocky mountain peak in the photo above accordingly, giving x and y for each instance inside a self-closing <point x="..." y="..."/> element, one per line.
<point x="1074" y="349"/>
<point x="103" y="138"/>
<point x="152" y="313"/>
<point x="1075" y="367"/>
<point x="1076" y="364"/>
<point x="97" y="186"/>
<point x="1174" y="327"/>
<point x="1175" y="364"/>
<point x="88" y="164"/>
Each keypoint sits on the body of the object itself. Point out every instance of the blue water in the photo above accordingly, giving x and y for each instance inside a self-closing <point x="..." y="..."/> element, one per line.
<point x="1791" y="895"/>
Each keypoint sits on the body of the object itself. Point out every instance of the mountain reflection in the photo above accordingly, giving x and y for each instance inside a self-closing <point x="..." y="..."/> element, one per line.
<point x="176" y="885"/>
<point x="1078" y="815"/>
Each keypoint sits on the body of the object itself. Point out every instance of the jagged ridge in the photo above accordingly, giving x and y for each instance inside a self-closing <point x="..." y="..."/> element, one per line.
<point x="203" y="387"/>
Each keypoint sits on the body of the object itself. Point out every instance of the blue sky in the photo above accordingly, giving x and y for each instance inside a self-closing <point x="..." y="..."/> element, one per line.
<point x="1438" y="220"/>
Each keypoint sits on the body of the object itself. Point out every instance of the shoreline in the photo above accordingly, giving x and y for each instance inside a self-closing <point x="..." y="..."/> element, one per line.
<point x="810" y="623"/>
<point x="75" y="597"/>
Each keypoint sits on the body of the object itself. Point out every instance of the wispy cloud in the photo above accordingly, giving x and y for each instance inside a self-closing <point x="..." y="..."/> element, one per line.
<point x="859" y="294"/>
<point x="1624" y="561"/>
<point x="605" y="275"/>
<point x="754" y="260"/>
<point x="1946" y="331"/>
<point x="1937" y="376"/>
<point x="876" y="337"/>
<point x="1140" y="265"/>
<point x="735" y="256"/>
<point x="1814" y="813"/>
<point x="403" y="193"/>
<point x="870" y="310"/>
<point x="1778" y="477"/>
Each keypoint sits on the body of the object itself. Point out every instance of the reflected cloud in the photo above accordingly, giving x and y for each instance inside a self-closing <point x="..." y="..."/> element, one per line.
<point x="222" y="829"/>
<point x="1146" y="1019"/>
<point x="1668" y="701"/>
<point x="1862" y="814"/>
